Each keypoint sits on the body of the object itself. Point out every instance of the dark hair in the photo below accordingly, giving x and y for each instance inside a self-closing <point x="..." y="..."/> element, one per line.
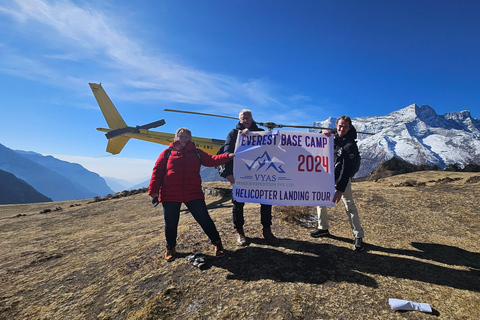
<point x="346" y="119"/>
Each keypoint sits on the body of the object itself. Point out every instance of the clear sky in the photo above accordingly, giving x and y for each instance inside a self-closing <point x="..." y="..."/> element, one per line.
<point x="291" y="62"/>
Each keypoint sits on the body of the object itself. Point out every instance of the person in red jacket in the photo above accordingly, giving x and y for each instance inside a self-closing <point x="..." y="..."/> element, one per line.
<point x="176" y="180"/>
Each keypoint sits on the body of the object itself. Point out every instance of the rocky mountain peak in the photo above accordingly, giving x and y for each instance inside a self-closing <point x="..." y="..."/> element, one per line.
<point x="417" y="135"/>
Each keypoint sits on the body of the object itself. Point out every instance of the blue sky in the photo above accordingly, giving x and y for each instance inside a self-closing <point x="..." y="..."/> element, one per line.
<point x="291" y="62"/>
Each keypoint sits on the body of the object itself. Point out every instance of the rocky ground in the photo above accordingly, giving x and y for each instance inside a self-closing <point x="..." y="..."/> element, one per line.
<point x="104" y="259"/>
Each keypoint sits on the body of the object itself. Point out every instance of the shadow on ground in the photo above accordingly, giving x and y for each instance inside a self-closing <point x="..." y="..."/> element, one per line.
<point x="318" y="263"/>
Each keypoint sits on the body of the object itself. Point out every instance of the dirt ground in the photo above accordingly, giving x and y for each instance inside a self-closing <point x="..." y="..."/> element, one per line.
<point x="104" y="260"/>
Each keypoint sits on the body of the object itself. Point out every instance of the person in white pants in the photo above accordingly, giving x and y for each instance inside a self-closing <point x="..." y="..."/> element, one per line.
<point x="346" y="162"/>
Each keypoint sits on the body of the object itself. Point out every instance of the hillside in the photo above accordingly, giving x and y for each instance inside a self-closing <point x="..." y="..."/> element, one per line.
<point x="104" y="259"/>
<point x="87" y="180"/>
<point x="14" y="190"/>
<point x="56" y="179"/>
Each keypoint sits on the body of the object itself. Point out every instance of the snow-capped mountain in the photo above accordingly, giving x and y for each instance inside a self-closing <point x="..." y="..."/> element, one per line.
<point x="417" y="135"/>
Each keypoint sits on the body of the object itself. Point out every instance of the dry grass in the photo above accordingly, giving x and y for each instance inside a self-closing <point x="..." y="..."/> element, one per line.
<point x="104" y="260"/>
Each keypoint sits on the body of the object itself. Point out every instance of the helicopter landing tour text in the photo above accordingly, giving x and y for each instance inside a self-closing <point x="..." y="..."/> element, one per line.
<point x="284" y="168"/>
<point x="282" y="195"/>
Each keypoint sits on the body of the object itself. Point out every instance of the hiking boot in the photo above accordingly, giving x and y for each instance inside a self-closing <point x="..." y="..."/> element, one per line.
<point x="170" y="253"/>
<point x="320" y="233"/>
<point x="241" y="240"/>
<point x="358" y="246"/>
<point x="219" y="250"/>
<point x="271" y="239"/>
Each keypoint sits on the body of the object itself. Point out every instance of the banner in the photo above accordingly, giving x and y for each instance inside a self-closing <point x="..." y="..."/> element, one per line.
<point x="286" y="168"/>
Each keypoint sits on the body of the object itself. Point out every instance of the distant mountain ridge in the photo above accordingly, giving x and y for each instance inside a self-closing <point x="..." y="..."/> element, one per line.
<point x="91" y="181"/>
<point x="117" y="185"/>
<point x="15" y="191"/>
<point x="414" y="134"/>
<point x="56" y="179"/>
<point x="417" y="135"/>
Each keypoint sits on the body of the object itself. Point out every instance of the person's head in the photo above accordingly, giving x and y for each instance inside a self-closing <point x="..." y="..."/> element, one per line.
<point x="245" y="118"/>
<point x="183" y="135"/>
<point x="343" y="124"/>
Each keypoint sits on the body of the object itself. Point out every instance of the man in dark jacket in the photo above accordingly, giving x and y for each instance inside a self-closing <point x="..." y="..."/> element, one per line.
<point x="245" y="125"/>
<point x="346" y="161"/>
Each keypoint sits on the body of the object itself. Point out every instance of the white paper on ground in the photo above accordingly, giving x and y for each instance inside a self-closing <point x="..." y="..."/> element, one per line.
<point x="397" y="304"/>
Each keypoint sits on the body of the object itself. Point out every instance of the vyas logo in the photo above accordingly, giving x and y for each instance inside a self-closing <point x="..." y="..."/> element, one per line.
<point x="264" y="163"/>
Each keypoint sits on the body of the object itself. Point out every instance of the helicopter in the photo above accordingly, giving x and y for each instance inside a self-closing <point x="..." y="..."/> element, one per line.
<point x="119" y="133"/>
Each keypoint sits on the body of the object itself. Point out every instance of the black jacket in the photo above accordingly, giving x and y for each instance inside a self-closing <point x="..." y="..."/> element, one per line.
<point x="345" y="156"/>
<point x="230" y="143"/>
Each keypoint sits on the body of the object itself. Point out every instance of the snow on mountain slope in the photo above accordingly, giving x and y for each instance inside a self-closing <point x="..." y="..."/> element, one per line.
<point x="418" y="135"/>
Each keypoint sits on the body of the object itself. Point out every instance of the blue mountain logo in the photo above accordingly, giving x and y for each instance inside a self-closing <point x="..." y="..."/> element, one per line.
<point x="264" y="161"/>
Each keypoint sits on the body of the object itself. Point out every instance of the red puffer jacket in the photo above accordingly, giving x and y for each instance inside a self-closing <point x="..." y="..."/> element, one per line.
<point x="179" y="180"/>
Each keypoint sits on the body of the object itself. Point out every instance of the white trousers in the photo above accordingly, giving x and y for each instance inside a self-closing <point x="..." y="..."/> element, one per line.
<point x="350" y="209"/>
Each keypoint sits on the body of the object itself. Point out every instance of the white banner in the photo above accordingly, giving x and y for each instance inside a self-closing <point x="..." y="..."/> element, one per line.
<point x="287" y="168"/>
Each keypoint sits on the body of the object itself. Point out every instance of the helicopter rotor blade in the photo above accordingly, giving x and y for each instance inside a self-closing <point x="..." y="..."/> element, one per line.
<point x="200" y="113"/>
<point x="271" y="125"/>
<point x="268" y="125"/>
<point x="358" y="132"/>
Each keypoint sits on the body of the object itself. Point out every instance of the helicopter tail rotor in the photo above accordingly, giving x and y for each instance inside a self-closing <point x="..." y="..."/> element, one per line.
<point x="118" y="132"/>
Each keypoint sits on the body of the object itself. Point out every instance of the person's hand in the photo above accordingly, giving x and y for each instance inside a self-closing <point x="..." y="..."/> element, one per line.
<point x="154" y="196"/>
<point x="327" y="133"/>
<point x="230" y="178"/>
<point x="338" y="195"/>
<point x="231" y="155"/>
<point x="244" y="131"/>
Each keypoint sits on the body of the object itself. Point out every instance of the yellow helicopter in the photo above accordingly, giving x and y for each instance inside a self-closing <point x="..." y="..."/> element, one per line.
<point x="118" y="132"/>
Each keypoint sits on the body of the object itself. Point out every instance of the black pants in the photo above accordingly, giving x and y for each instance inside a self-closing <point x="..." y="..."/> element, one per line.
<point x="198" y="209"/>
<point x="237" y="215"/>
